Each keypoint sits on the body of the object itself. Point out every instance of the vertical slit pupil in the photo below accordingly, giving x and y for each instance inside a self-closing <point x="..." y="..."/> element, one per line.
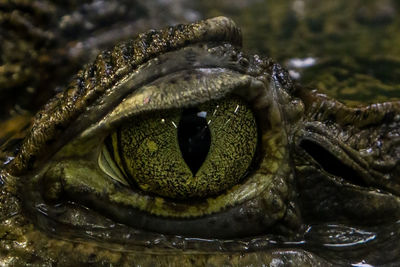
<point x="194" y="138"/>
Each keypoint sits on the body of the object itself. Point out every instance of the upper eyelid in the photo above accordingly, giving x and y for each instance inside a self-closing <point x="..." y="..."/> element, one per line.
<point x="161" y="95"/>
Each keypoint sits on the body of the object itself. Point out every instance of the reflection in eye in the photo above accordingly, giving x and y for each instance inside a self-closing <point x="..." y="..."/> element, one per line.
<point x="194" y="137"/>
<point x="183" y="153"/>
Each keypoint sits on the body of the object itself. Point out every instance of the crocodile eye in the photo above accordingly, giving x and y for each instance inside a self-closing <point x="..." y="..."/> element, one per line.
<point x="183" y="153"/>
<point x="170" y="137"/>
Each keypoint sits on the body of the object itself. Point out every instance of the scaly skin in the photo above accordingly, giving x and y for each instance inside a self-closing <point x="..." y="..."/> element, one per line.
<point x="325" y="173"/>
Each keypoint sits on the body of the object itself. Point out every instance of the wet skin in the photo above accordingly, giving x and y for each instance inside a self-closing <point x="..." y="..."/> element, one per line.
<point x="318" y="178"/>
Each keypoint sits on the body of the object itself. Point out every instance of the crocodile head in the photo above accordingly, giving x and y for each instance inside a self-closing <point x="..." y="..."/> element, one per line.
<point x="177" y="148"/>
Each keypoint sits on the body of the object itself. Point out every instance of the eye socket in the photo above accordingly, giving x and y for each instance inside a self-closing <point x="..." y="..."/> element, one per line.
<point x="184" y="153"/>
<point x="73" y="163"/>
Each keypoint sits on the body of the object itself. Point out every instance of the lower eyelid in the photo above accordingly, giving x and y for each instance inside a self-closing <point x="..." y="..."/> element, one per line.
<point x="248" y="218"/>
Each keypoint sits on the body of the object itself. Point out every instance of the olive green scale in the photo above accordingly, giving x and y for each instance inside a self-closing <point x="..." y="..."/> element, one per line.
<point x="146" y="151"/>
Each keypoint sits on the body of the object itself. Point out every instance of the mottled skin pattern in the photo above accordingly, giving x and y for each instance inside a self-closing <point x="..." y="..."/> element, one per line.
<point x="320" y="163"/>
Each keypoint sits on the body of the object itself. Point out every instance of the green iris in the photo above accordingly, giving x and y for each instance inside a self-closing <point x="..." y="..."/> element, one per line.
<point x="185" y="153"/>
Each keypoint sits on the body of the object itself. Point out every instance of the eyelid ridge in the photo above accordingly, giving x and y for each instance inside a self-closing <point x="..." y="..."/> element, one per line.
<point x="164" y="94"/>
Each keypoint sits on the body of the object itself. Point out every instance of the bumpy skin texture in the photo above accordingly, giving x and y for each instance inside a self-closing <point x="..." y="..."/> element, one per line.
<point x="292" y="186"/>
